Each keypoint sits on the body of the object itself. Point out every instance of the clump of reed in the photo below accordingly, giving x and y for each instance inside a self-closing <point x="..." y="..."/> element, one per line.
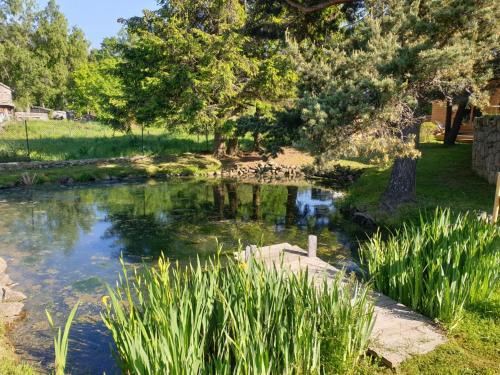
<point x="236" y="319"/>
<point x="61" y="339"/>
<point x="437" y="265"/>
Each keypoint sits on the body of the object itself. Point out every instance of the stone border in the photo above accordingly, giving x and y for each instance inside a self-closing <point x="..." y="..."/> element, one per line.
<point x="11" y="302"/>
<point x="27" y="165"/>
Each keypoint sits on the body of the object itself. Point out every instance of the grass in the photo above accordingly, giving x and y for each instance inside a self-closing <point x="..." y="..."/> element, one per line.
<point x="66" y="140"/>
<point x="186" y="165"/>
<point x="444" y="178"/>
<point x="236" y="319"/>
<point x="438" y="265"/>
<point x="8" y="363"/>
<point x="472" y="348"/>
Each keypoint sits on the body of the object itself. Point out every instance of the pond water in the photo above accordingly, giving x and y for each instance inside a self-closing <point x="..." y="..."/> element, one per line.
<point x="64" y="244"/>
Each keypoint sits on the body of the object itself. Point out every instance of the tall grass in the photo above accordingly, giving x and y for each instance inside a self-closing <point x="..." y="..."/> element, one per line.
<point x="61" y="339"/>
<point x="438" y="265"/>
<point x="236" y="319"/>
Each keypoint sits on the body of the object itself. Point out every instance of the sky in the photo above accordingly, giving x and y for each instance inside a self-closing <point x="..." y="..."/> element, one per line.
<point x="97" y="18"/>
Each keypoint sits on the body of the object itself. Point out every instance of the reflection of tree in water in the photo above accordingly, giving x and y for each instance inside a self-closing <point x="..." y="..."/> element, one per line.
<point x="176" y="218"/>
<point x="291" y="206"/>
<point x="50" y="221"/>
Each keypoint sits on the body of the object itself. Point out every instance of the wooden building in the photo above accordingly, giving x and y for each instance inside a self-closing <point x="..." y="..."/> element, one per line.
<point x="6" y="103"/>
<point x="467" y="129"/>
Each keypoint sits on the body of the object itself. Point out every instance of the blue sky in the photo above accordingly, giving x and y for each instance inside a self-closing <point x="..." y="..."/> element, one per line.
<point x="98" y="18"/>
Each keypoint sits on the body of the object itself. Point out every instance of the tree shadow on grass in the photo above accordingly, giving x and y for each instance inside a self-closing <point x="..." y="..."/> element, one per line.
<point x="68" y="148"/>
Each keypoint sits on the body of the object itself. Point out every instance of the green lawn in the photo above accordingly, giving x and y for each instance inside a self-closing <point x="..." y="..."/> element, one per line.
<point x="444" y="178"/>
<point x="65" y="140"/>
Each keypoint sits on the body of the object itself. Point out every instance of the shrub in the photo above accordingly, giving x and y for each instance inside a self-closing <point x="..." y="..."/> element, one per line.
<point x="438" y="265"/>
<point x="236" y="319"/>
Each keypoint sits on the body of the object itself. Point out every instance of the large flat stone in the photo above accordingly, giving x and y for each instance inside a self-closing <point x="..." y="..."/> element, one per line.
<point x="5" y="280"/>
<point x="398" y="331"/>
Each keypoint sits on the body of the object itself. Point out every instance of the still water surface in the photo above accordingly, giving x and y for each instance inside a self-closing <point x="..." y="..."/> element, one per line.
<point x="64" y="244"/>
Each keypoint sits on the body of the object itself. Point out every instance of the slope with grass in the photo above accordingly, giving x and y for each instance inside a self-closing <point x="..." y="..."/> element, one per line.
<point x="444" y="178"/>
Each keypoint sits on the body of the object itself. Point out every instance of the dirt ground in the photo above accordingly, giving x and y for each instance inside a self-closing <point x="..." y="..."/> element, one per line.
<point x="289" y="157"/>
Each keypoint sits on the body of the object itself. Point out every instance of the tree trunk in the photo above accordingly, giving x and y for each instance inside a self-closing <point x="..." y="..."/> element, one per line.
<point x="449" y="115"/>
<point x="457" y="122"/>
<point x="219" y="144"/>
<point x="232" y="146"/>
<point x="257" y="140"/>
<point x="402" y="184"/>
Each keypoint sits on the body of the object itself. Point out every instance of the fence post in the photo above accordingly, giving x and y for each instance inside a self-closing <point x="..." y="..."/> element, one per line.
<point x="313" y="246"/>
<point x="142" y="136"/>
<point x="27" y="139"/>
<point x="496" y="204"/>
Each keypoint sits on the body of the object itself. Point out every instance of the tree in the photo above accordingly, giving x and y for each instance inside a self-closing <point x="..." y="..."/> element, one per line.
<point x="193" y="62"/>
<point x="38" y="52"/>
<point x="96" y="88"/>
<point x="396" y="58"/>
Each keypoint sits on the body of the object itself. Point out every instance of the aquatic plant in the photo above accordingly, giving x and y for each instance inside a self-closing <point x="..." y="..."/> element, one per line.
<point x="236" y="319"/>
<point x="437" y="265"/>
<point x="61" y="340"/>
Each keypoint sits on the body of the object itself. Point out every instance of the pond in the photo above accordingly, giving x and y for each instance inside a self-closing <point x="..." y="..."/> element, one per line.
<point x="64" y="245"/>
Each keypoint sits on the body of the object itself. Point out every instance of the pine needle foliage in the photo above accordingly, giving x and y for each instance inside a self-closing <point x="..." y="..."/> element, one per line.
<point x="236" y="319"/>
<point x="438" y="265"/>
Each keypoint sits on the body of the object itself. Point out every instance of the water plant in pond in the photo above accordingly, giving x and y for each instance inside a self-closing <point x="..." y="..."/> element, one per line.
<point x="61" y="341"/>
<point x="437" y="265"/>
<point x="236" y="319"/>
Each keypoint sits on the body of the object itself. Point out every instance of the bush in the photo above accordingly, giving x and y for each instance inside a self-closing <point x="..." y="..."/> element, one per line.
<point x="236" y="319"/>
<point x="438" y="265"/>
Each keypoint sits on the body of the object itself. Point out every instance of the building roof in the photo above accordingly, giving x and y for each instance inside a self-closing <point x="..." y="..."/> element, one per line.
<point x="5" y="86"/>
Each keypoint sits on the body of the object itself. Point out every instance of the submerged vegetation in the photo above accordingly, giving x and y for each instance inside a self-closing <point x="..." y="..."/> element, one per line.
<point x="236" y="318"/>
<point x="438" y="265"/>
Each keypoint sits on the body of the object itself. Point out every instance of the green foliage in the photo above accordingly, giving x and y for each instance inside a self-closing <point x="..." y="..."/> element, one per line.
<point x="38" y="52"/>
<point x="61" y="341"/>
<point x="394" y="61"/>
<point x="236" y="319"/>
<point x="438" y="265"/>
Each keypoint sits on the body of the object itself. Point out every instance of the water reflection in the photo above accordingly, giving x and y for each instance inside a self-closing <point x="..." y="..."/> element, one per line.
<point x="63" y="244"/>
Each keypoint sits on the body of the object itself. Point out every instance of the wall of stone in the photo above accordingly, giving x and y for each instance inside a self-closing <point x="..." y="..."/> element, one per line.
<point x="486" y="148"/>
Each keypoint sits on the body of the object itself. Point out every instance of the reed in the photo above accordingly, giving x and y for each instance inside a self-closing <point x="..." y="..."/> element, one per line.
<point x="438" y="265"/>
<point x="236" y="319"/>
<point x="61" y="339"/>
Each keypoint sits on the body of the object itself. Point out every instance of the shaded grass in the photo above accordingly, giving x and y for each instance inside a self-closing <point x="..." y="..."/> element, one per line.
<point x="186" y="165"/>
<point x="444" y="178"/>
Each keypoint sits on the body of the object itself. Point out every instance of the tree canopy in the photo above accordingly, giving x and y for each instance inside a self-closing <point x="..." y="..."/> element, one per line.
<point x="38" y="52"/>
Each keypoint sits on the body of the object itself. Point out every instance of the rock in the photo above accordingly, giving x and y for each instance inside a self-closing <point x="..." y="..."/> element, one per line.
<point x="364" y="219"/>
<point x="5" y="280"/>
<point x="3" y="265"/>
<point x="11" y="311"/>
<point x="9" y="295"/>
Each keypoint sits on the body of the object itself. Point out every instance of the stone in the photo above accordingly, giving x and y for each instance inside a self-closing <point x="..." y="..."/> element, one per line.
<point x="9" y="312"/>
<point x="9" y="295"/>
<point x="5" y="280"/>
<point x="3" y="265"/>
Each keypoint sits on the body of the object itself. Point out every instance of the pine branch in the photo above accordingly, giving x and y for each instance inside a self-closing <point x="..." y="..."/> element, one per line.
<point x="315" y="8"/>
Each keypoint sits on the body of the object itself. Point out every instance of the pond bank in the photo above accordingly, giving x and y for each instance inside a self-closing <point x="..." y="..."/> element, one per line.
<point x="11" y="309"/>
